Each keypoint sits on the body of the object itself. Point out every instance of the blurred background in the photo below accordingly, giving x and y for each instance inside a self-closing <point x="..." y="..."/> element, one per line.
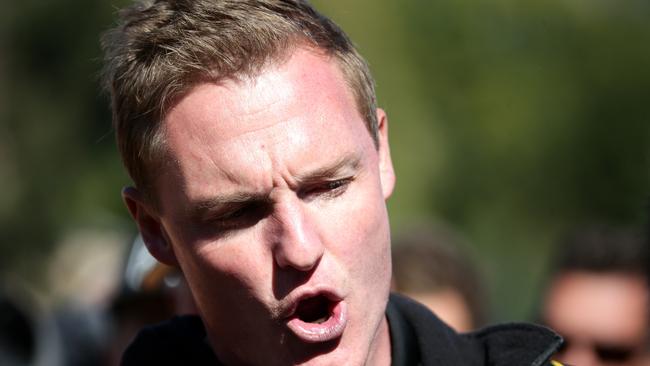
<point x="510" y="122"/>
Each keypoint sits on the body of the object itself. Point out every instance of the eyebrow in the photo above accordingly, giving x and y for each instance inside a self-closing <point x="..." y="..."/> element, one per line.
<point x="348" y="163"/>
<point x="200" y="209"/>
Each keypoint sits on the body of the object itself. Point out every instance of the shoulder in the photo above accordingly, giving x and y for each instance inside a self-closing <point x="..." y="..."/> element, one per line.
<point x="517" y="344"/>
<point x="436" y="343"/>
<point x="180" y="340"/>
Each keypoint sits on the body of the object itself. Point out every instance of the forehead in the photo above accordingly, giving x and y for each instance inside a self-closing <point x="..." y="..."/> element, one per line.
<point x="306" y="74"/>
<point x="606" y="306"/>
<point x="291" y="116"/>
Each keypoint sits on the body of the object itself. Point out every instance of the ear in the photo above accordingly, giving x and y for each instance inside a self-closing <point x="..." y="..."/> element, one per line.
<point x="386" y="172"/>
<point x="151" y="229"/>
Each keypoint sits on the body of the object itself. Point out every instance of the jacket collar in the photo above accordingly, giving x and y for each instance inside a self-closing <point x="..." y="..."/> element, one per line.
<point x="418" y="337"/>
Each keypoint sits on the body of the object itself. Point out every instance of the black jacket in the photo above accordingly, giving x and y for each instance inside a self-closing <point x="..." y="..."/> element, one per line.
<point x="418" y="337"/>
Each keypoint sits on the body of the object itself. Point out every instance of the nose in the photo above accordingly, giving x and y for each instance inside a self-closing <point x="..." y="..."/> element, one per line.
<point x="297" y="244"/>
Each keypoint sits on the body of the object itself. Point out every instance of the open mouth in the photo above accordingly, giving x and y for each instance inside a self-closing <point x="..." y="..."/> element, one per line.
<point x="315" y="309"/>
<point x="318" y="318"/>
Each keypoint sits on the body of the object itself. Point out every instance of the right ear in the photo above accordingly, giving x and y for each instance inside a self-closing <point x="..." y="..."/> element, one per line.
<point x="151" y="229"/>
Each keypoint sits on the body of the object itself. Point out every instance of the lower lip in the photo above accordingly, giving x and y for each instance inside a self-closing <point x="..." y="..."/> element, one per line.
<point x="329" y="330"/>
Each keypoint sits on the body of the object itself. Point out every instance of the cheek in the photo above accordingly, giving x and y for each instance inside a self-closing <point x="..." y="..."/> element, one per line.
<point x="361" y="234"/>
<point x="235" y="265"/>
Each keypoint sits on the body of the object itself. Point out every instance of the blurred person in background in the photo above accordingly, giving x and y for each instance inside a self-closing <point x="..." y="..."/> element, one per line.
<point x="18" y="341"/>
<point x="30" y="335"/>
<point x="71" y="334"/>
<point x="75" y="332"/>
<point x="150" y="292"/>
<point x="597" y="298"/>
<point x="433" y="266"/>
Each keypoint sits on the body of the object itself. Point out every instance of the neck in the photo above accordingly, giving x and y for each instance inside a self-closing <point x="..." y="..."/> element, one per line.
<point x="380" y="348"/>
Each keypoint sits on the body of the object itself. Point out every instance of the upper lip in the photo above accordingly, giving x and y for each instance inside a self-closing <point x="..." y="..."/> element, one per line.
<point x="294" y="298"/>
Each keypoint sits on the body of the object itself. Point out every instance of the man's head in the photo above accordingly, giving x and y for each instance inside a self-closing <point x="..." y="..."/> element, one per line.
<point x="270" y="174"/>
<point x="598" y="298"/>
<point x="161" y="49"/>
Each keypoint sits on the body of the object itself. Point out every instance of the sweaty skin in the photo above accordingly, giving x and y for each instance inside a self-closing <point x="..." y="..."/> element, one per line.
<point x="275" y="192"/>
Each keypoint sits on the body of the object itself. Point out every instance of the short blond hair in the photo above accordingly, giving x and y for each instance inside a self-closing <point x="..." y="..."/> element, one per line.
<point x="161" y="49"/>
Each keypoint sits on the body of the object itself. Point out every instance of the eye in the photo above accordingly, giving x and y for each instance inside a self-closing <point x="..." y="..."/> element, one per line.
<point x="614" y="353"/>
<point x="235" y="214"/>
<point x="335" y="184"/>
<point x="329" y="189"/>
<point x="241" y="217"/>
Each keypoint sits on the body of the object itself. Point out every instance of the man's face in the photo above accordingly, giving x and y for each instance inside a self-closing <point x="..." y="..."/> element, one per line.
<point x="275" y="211"/>
<point x="603" y="317"/>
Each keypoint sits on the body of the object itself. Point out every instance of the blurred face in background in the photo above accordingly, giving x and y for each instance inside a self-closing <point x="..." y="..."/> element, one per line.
<point x="276" y="214"/>
<point x="603" y="318"/>
<point x="449" y="305"/>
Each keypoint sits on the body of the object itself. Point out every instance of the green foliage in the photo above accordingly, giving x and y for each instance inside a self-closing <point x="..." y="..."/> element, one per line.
<point x="60" y="170"/>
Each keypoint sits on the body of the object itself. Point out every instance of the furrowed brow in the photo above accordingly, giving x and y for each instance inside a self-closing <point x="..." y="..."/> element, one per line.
<point x="348" y="164"/>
